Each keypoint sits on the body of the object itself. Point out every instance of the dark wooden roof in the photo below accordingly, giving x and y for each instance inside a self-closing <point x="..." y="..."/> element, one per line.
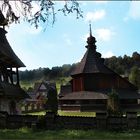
<point x="7" y="56"/>
<point x="92" y="64"/>
<point x="65" y="89"/>
<point x="99" y="94"/>
<point x="47" y="84"/>
<point x="36" y="86"/>
<point x="12" y="91"/>
<point x="92" y="61"/>
<point x="83" y="95"/>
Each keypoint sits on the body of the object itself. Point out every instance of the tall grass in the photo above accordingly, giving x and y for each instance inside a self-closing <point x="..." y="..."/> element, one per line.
<point x="26" y="134"/>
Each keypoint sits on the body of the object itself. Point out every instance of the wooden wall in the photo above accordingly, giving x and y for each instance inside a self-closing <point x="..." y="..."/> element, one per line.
<point x="90" y="82"/>
<point x="78" y="84"/>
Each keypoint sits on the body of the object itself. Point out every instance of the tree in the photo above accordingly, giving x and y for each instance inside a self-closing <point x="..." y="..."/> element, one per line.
<point x="134" y="76"/>
<point x="52" y="101"/>
<point x="113" y="103"/>
<point x="46" y="10"/>
<point x="136" y="58"/>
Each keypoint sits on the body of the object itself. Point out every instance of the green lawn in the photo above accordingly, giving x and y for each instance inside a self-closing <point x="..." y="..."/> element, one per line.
<point x="26" y="134"/>
<point x="37" y="113"/>
<point x="64" y="113"/>
<point x="86" y="114"/>
<point x="59" y="81"/>
<point x="26" y="84"/>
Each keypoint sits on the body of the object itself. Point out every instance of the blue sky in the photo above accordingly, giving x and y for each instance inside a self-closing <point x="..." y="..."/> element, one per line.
<point x="116" y="26"/>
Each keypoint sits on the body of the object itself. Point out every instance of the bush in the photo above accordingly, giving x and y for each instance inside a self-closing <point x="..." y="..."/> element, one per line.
<point x="113" y="104"/>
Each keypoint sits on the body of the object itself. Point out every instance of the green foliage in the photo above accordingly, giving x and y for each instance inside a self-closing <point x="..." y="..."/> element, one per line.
<point x="46" y="73"/>
<point x="121" y="65"/>
<point x="26" y="133"/>
<point x="46" y="12"/>
<point x="52" y="101"/>
<point x="134" y="76"/>
<point x="26" y="84"/>
<point x="113" y="103"/>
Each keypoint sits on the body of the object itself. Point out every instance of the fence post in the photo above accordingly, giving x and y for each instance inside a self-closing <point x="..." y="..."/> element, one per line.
<point x="26" y="108"/>
<point x="32" y="107"/>
<point x="132" y="120"/>
<point x="3" y="119"/>
<point x="50" y="118"/>
<point x="101" y="120"/>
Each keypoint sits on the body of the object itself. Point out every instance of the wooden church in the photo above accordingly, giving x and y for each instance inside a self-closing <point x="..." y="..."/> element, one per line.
<point x="91" y="82"/>
<point x="10" y="91"/>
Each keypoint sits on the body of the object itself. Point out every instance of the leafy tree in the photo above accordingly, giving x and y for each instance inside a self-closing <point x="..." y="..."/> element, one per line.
<point x="134" y="76"/>
<point x="45" y="12"/>
<point x="113" y="105"/>
<point x="52" y="101"/>
<point x="136" y="58"/>
<point x="121" y="65"/>
<point x="55" y="72"/>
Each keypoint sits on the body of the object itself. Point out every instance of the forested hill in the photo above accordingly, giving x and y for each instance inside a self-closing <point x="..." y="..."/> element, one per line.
<point x="126" y="65"/>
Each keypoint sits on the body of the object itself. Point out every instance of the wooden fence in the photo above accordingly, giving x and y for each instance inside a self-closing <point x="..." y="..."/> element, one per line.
<point x="50" y="121"/>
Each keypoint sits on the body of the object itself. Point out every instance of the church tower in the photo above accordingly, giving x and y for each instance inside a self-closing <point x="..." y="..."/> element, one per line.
<point x="91" y="82"/>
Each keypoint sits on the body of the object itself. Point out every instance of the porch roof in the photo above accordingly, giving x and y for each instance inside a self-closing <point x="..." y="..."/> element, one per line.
<point x="99" y="94"/>
<point x="12" y="91"/>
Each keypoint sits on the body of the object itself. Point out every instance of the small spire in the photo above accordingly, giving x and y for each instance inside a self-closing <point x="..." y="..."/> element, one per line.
<point x="91" y="40"/>
<point x="90" y="31"/>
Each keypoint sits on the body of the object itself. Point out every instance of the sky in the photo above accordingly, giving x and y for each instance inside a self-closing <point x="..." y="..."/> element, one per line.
<point x="115" y="25"/>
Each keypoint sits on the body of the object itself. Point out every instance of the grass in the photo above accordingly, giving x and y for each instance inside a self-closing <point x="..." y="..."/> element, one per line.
<point x="59" y="81"/>
<point x="26" y="84"/>
<point x="71" y="113"/>
<point x="26" y="133"/>
<point x="64" y="113"/>
<point x="37" y="113"/>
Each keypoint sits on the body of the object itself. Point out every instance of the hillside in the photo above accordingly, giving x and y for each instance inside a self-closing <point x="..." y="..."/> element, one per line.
<point x="128" y="66"/>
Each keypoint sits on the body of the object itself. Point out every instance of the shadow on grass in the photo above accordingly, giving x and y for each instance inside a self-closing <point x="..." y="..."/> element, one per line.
<point x="26" y="133"/>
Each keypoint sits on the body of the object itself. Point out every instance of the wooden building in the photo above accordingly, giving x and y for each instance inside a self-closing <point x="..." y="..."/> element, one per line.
<point x="40" y="90"/>
<point x="11" y="93"/>
<point x="38" y="96"/>
<point x="91" y="82"/>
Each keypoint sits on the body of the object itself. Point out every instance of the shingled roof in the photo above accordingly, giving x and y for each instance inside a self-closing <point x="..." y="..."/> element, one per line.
<point x="12" y="91"/>
<point x="84" y="95"/>
<point x="99" y="94"/>
<point x="7" y="56"/>
<point x="92" y="61"/>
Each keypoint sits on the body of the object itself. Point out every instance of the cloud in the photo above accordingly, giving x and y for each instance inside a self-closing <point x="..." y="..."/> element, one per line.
<point x="104" y="34"/>
<point x="100" y="2"/>
<point x="35" y="7"/>
<point x="68" y="42"/>
<point x="33" y="31"/>
<point x="94" y="16"/>
<point x="67" y="39"/>
<point x="108" y="54"/>
<point x="84" y="38"/>
<point x="134" y="11"/>
<point x="83" y="3"/>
